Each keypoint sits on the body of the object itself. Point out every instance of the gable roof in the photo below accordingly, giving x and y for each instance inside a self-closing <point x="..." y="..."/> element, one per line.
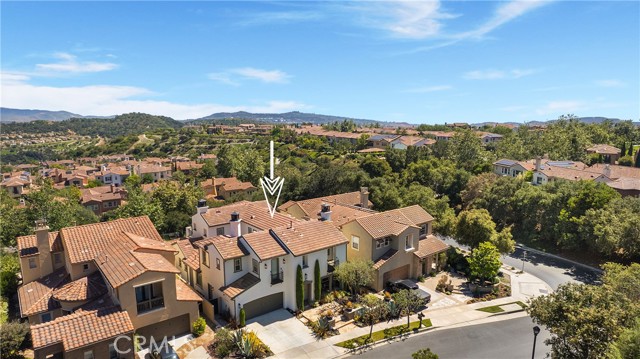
<point x="616" y="171"/>
<point x="82" y="328"/>
<point x="184" y="293"/>
<point x="429" y="246"/>
<point x="310" y="236"/>
<point x="255" y="214"/>
<point x="264" y="245"/>
<point x="604" y="149"/>
<point x="189" y="251"/>
<point x="228" y="247"/>
<point x="393" y="222"/>
<point x="85" y="288"/>
<point x="36" y="297"/>
<point x="312" y="205"/>
<point x="28" y="245"/>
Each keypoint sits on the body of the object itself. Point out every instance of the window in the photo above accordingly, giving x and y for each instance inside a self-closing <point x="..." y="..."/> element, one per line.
<point x="205" y="257"/>
<point x="45" y="317"/>
<point x="194" y="226"/>
<point x="210" y="291"/>
<point x="199" y="278"/>
<point x="220" y="231"/>
<point x="218" y="263"/>
<point x="237" y="264"/>
<point x="408" y="242"/>
<point x="88" y="354"/>
<point x="305" y="261"/>
<point x="250" y="230"/>
<point x="149" y="297"/>
<point x="57" y="258"/>
<point x="85" y="267"/>
<point x="255" y="266"/>
<point x="32" y="263"/>
<point x="387" y="241"/>
<point x="423" y="229"/>
<point x="355" y="242"/>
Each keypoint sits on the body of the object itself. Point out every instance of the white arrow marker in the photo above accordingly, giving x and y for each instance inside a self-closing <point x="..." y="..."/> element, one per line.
<point x="271" y="184"/>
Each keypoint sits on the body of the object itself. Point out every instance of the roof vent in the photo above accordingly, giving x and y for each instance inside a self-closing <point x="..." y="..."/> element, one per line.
<point x="132" y="264"/>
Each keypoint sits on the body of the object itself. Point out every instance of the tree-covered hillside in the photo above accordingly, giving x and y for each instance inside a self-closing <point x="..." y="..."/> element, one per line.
<point x="122" y="125"/>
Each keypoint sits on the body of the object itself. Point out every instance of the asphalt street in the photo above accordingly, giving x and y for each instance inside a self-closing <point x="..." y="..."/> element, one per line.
<point x="509" y="339"/>
<point x="554" y="271"/>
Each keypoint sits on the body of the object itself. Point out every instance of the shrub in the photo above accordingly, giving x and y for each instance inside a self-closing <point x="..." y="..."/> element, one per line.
<point x="387" y="295"/>
<point x="321" y="327"/>
<point x="348" y="305"/>
<point x="223" y="344"/>
<point x="243" y="318"/>
<point x="420" y="278"/>
<point x="14" y="337"/>
<point x="199" y="326"/>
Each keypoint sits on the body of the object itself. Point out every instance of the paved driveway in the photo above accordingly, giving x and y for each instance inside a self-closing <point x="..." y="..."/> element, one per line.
<point x="288" y="337"/>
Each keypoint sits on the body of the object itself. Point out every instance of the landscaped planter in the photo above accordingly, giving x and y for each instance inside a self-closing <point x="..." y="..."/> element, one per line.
<point x="351" y="313"/>
<point x="481" y="289"/>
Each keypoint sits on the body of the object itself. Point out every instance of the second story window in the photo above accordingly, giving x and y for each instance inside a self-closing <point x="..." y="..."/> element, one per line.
<point x="218" y="263"/>
<point x="205" y="257"/>
<point x="255" y="266"/>
<point x="85" y="267"/>
<point x="423" y="229"/>
<point x="220" y="231"/>
<point x="408" y="242"/>
<point x="355" y="242"/>
<point x="237" y="264"/>
<point x="199" y="278"/>
<point x="305" y="261"/>
<point x="32" y="263"/>
<point x="149" y="297"/>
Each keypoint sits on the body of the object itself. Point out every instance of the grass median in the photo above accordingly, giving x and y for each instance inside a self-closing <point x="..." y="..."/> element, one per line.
<point x="496" y="308"/>
<point x="383" y="334"/>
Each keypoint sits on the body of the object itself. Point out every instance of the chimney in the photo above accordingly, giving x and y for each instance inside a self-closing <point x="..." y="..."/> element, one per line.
<point x="607" y="171"/>
<point x="202" y="207"/>
<point x="364" y="197"/>
<point x="325" y="212"/>
<point x="538" y="159"/>
<point x="139" y="170"/>
<point x="235" y="228"/>
<point x="44" y="249"/>
<point x="112" y="188"/>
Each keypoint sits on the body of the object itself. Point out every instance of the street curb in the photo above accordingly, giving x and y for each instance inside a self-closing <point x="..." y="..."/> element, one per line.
<point x="585" y="266"/>
<point x="384" y="341"/>
<point x="505" y="312"/>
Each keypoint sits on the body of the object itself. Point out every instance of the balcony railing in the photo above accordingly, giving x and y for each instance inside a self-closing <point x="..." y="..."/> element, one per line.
<point x="150" y="304"/>
<point x="332" y="264"/>
<point x="277" y="277"/>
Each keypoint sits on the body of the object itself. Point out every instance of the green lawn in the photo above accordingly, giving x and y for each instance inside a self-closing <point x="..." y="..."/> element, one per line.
<point x="383" y="334"/>
<point x="497" y="309"/>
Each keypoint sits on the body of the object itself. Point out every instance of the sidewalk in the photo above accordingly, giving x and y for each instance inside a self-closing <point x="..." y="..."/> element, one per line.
<point x="524" y="286"/>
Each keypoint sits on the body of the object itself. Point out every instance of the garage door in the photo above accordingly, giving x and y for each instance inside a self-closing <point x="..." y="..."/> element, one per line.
<point x="263" y="305"/>
<point x="395" y="274"/>
<point x="168" y="328"/>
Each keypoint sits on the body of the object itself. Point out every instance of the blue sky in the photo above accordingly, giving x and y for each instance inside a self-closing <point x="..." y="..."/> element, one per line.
<point x="419" y="62"/>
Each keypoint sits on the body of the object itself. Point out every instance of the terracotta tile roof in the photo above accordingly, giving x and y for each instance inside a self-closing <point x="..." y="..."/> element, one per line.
<point x="384" y="258"/>
<point x="14" y="181"/>
<point x="616" y="171"/>
<point x="86" y="288"/>
<point x="255" y="214"/>
<point x="429" y="246"/>
<point x="264" y="245"/>
<point x="189" y="251"/>
<point x="151" y="168"/>
<point x="308" y="237"/>
<point x="83" y="243"/>
<point x="394" y="222"/>
<point x="146" y="243"/>
<point x="240" y="285"/>
<point x="228" y="247"/>
<point x="372" y="150"/>
<point x="186" y="166"/>
<point x="184" y="293"/>
<point x="625" y="184"/>
<point x="82" y="328"/>
<point x="36" y="297"/>
<point x="603" y="149"/>
<point x="28" y="245"/>
<point x="101" y="194"/>
<point x="569" y="173"/>
<point x="340" y="214"/>
<point x="312" y="206"/>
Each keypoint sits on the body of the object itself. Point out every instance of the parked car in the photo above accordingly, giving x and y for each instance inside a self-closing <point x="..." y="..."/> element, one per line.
<point x="165" y="351"/>
<point x="406" y="284"/>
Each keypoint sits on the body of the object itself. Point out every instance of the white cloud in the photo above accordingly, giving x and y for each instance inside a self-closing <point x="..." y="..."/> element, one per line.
<point x="233" y="76"/>
<point x="560" y="107"/>
<point x="610" y="83"/>
<point x="403" y="18"/>
<point x="105" y="100"/>
<point x="492" y="74"/>
<point x="69" y="64"/>
<point x="430" y="89"/>
<point x="283" y="17"/>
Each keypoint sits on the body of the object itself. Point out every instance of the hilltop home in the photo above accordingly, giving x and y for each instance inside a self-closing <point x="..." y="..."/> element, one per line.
<point x="87" y="288"/>
<point x="240" y="257"/>
<point x="399" y="242"/>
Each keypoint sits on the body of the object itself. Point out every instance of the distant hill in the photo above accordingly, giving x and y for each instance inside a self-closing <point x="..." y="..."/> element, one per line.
<point x="287" y="117"/>
<point x="16" y="115"/>
<point x="121" y="125"/>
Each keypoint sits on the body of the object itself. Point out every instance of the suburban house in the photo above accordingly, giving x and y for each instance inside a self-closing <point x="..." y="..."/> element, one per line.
<point x="567" y="170"/>
<point x="381" y="140"/>
<point x="227" y="187"/>
<point x="112" y="175"/>
<point x="187" y="167"/>
<point x="156" y="171"/>
<point x="625" y="180"/>
<point x="207" y="157"/>
<point x="505" y="167"/>
<point x="102" y="199"/>
<point x="399" y="242"/>
<point x="609" y="154"/>
<point x="488" y="137"/>
<point x="403" y="142"/>
<point x="86" y="286"/>
<point x="17" y="186"/>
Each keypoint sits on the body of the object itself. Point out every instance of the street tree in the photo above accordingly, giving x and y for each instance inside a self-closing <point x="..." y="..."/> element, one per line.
<point x="408" y="301"/>
<point x="376" y="310"/>
<point x="484" y="262"/>
<point x="355" y="274"/>
<point x="424" y="354"/>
